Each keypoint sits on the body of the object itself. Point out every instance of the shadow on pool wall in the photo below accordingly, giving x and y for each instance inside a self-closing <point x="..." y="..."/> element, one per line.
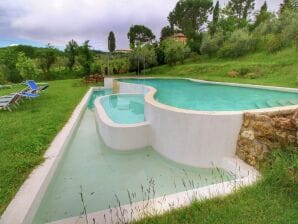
<point x="197" y="138"/>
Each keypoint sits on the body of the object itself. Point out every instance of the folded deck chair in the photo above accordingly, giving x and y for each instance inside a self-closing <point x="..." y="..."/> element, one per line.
<point x="28" y="95"/>
<point x="7" y="101"/>
<point x="34" y="87"/>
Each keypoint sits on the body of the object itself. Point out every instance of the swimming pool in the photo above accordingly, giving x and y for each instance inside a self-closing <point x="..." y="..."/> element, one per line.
<point x="106" y="177"/>
<point x="124" y="108"/>
<point x="190" y="95"/>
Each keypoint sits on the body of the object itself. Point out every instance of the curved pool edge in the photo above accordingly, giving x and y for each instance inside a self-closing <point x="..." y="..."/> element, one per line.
<point x="120" y="136"/>
<point x="34" y="187"/>
<point x="244" y="174"/>
<point x="195" y="138"/>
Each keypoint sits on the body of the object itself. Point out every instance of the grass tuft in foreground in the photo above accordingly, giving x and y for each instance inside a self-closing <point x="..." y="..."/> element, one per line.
<point x="274" y="199"/>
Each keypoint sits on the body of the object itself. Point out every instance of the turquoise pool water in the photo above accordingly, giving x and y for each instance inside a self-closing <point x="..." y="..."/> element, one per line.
<point x="100" y="174"/>
<point x="97" y="94"/>
<point x="125" y="108"/>
<point x="186" y="94"/>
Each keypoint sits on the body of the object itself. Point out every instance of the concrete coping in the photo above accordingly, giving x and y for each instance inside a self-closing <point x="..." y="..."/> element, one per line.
<point x="107" y="120"/>
<point x="24" y="205"/>
<point x="244" y="175"/>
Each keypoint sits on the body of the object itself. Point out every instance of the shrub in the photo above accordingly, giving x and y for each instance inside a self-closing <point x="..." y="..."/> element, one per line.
<point x="2" y="76"/>
<point x="211" y="45"/>
<point x="26" y="67"/>
<point x="175" y="51"/>
<point x="96" y="68"/>
<point x="289" y="34"/>
<point x="273" y="43"/>
<point x="239" y="44"/>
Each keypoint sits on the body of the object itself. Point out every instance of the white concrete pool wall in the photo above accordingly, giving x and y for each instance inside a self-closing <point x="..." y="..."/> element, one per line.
<point x="196" y="138"/>
<point x="24" y="205"/>
<point x="243" y="173"/>
<point x="118" y="136"/>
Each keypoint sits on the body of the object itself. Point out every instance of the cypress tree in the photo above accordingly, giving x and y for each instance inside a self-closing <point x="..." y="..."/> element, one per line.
<point x="111" y="42"/>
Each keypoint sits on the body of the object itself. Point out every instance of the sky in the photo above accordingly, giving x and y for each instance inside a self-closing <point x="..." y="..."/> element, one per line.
<point x="38" y="22"/>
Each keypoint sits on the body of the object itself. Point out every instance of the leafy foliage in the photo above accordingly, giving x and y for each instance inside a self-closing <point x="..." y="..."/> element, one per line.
<point x="240" y="9"/>
<point x="139" y="35"/>
<point x="71" y="51"/>
<point x="166" y="32"/>
<point x="174" y="51"/>
<point x="46" y="59"/>
<point x="212" y="44"/>
<point x="26" y="67"/>
<point x="190" y="15"/>
<point x="238" y="44"/>
<point x="214" y="24"/>
<point x="85" y="58"/>
<point x="111" y="42"/>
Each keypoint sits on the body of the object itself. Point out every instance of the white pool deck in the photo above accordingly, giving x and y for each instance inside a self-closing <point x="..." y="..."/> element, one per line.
<point x="23" y="207"/>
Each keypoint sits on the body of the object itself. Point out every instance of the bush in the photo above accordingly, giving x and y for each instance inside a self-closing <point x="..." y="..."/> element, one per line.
<point x="273" y="43"/>
<point x="239" y="44"/>
<point x="289" y="34"/>
<point x="2" y="76"/>
<point x="175" y="51"/>
<point x="26" y="67"/>
<point x="211" y="45"/>
<point x="96" y="68"/>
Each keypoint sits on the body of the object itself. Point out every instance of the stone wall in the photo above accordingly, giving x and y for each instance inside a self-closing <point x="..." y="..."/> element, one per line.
<point x="263" y="132"/>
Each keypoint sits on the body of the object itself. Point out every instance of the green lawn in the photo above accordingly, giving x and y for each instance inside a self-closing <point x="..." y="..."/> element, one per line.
<point x="274" y="199"/>
<point x="280" y="69"/>
<point x="27" y="132"/>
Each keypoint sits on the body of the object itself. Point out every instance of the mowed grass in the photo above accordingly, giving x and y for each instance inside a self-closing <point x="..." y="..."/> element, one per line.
<point x="274" y="199"/>
<point x="26" y="132"/>
<point x="280" y="69"/>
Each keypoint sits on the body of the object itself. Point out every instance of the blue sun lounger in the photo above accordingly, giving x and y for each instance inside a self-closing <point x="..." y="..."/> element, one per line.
<point x="34" y="88"/>
<point x="28" y="95"/>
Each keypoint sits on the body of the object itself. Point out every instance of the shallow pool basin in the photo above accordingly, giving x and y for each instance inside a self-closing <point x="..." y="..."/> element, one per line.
<point x="124" y="108"/>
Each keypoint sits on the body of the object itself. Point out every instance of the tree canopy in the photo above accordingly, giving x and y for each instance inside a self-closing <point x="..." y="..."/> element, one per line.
<point x="111" y="42"/>
<point x="166" y="32"/>
<point x="139" y="35"/>
<point x="71" y="51"/>
<point x="240" y="9"/>
<point x="190" y="15"/>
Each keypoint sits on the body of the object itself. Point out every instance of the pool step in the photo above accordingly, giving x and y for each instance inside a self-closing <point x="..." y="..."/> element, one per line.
<point x="260" y="105"/>
<point x="273" y="103"/>
<point x="294" y="101"/>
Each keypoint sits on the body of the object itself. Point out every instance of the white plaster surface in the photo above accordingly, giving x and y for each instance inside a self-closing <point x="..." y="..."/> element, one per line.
<point x="196" y="138"/>
<point x="244" y="175"/>
<point x="118" y="136"/>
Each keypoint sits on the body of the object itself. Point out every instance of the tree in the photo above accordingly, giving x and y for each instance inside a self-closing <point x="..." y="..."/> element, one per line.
<point x="214" y="24"/>
<point x="85" y="58"/>
<point x="190" y="15"/>
<point x="174" y="51"/>
<point x="111" y="46"/>
<point x="240" y="9"/>
<point x="8" y="59"/>
<point x="111" y="42"/>
<point x="139" y="35"/>
<point x="262" y="15"/>
<point x="288" y="5"/>
<point x="26" y="67"/>
<point x="46" y="59"/>
<point x="149" y="56"/>
<point x="166" y="32"/>
<point x="71" y="51"/>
